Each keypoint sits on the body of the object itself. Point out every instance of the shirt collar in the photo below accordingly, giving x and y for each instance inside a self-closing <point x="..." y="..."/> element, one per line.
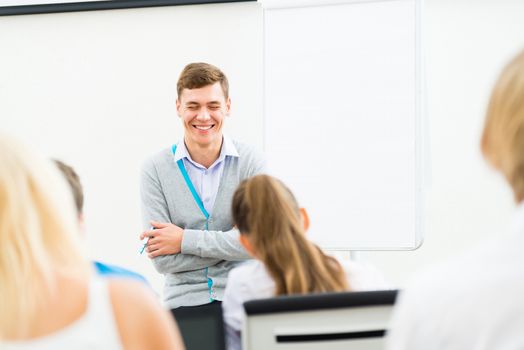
<point x="228" y="149"/>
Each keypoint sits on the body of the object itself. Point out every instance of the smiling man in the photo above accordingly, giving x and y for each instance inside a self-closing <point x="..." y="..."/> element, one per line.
<point x="186" y="193"/>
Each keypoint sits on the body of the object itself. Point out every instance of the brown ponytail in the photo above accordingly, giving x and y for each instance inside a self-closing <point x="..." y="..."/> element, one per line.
<point x="266" y="211"/>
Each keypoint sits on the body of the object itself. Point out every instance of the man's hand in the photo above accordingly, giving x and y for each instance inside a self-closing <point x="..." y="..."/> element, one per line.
<point x="165" y="239"/>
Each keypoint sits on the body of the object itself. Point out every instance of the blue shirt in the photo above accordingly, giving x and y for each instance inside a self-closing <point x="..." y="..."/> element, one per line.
<point x="206" y="180"/>
<point x="106" y="270"/>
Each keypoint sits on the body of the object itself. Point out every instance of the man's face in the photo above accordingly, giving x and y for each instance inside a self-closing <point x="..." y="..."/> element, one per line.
<point x="202" y="112"/>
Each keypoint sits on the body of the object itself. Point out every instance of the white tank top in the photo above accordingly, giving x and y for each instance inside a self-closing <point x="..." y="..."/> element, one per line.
<point x="96" y="329"/>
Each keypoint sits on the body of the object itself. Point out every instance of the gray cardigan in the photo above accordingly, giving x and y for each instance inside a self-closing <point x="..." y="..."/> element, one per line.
<point x="199" y="273"/>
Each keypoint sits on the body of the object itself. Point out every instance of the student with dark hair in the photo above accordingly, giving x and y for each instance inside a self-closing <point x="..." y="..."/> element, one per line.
<point x="273" y="230"/>
<point x="73" y="180"/>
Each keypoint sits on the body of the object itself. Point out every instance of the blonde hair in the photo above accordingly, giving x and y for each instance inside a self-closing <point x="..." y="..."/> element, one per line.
<point x="266" y="211"/>
<point x="38" y="235"/>
<point x="503" y="137"/>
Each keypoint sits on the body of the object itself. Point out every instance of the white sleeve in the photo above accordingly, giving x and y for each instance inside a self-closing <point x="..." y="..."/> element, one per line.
<point x="233" y="339"/>
<point x="246" y="282"/>
<point x="234" y="297"/>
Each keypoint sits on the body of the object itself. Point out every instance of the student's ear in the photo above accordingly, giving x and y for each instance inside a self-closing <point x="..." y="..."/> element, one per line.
<point x="246" y="244"/>
<point x="305" y="218"/>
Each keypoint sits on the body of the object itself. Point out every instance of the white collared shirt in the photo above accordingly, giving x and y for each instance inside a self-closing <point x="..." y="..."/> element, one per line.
<point x="206" y="180"/>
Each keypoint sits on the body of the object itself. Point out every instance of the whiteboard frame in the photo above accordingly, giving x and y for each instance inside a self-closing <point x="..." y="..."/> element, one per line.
<point x="71" y="6"/>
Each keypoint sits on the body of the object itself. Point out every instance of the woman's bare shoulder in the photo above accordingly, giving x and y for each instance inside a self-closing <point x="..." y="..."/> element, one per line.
<point x="142" y="322"/>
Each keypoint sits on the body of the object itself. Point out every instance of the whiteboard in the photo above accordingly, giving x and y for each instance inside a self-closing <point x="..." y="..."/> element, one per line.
<point x="342" y="114"/>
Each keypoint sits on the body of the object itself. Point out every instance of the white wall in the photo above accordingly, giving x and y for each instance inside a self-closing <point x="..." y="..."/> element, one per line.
<point x="467" y="43"/>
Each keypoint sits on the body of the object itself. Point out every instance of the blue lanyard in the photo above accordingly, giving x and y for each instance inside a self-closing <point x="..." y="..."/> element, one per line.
<point x="189" y="184"/>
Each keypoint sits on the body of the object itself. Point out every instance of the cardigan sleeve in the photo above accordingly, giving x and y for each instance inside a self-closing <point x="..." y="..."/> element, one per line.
<point x="154" y="206"/>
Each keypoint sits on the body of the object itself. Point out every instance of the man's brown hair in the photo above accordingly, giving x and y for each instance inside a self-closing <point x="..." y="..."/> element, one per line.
<point x="74" y="182"/>
<point x="198" y="75"/>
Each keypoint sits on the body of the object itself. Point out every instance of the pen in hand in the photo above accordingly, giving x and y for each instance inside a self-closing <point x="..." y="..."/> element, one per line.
<point x="144" y="241"/>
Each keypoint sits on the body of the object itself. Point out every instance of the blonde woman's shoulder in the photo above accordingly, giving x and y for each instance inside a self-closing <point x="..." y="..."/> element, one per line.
<point x="363" y="276"/>
<point x="142" y="322"/>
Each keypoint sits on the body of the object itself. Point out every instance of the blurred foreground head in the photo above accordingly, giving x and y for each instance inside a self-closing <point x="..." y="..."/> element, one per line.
<point x="38" y="232"/>
<point x="503" y="138"/>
